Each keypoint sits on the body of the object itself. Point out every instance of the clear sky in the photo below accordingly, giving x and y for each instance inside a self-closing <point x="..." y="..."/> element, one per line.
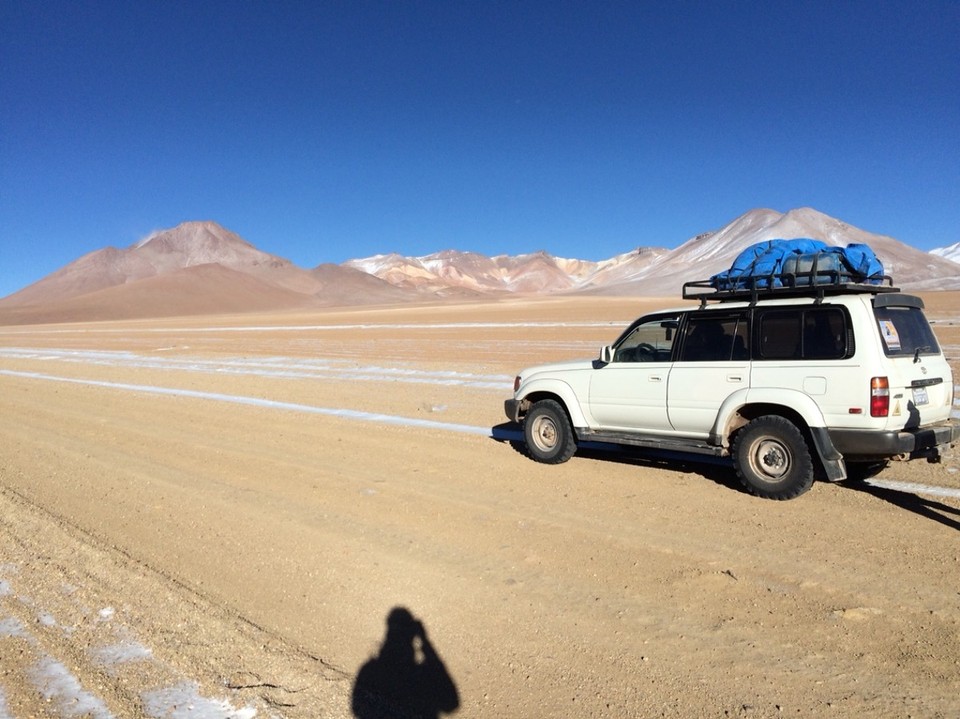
<point x="324" y="130"/>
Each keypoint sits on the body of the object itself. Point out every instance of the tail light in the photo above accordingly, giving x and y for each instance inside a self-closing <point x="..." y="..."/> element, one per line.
<point x="516" y="383"/>
<point x="879" y="397"/>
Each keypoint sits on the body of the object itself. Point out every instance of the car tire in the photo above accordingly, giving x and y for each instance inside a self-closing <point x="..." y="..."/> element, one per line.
<point x="772" y="458"/>
<point x="548" y="433"/>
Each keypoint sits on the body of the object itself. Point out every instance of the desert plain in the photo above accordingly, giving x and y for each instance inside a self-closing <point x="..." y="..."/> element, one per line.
<point x="215" y="516"/>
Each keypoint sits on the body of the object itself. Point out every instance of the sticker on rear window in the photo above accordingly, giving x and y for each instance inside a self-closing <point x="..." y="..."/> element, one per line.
<point x="890" y="336"/>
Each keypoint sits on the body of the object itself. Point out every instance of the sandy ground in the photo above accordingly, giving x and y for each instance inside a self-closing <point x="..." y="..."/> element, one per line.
<point x="215" y="517"/>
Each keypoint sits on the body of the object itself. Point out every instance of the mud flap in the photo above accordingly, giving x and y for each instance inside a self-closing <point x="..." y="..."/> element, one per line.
<point x="834" y="467"/>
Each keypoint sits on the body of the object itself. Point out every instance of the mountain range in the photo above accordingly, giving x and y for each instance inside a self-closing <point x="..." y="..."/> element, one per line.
<point x="203" y="268"/>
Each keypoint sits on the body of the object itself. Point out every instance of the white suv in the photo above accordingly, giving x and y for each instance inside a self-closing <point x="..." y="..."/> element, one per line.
<point x="830" y="381"/>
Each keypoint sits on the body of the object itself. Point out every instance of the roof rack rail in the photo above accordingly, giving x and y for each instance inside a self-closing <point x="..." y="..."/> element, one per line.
<point x="800" y="284"/>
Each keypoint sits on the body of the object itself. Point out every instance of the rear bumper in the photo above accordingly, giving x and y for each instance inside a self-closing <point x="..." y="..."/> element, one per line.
<point x="920" y="442"/>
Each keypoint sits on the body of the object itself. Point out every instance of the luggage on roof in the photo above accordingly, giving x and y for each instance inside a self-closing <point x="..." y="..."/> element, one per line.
<point x="798" y="263"/>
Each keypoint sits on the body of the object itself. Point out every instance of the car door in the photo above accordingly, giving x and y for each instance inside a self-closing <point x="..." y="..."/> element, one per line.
<point x="712" y="363"/>
<point x="630" y="392"/>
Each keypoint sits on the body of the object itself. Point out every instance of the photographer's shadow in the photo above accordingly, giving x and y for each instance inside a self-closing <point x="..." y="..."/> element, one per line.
<point x="407" y="678"/>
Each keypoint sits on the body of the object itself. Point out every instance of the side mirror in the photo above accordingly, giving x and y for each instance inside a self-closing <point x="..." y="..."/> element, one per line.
<point x="606" y="354"/>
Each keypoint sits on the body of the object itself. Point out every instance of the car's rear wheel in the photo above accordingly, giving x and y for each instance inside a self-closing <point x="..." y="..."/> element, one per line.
<point x="548" y="433"/>
<point x="772" y="458"/>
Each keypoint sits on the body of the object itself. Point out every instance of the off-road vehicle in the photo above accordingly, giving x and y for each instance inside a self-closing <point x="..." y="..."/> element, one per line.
<point x="813" y="375"/>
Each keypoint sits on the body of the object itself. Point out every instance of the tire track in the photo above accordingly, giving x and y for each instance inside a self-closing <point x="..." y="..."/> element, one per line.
<point x="87" y="631"/>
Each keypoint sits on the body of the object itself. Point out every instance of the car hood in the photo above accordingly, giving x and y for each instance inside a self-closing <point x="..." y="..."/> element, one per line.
<point x="557" y="368"/>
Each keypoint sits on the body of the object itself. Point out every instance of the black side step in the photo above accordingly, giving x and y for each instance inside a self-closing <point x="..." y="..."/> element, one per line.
<point x="638" y="440"/>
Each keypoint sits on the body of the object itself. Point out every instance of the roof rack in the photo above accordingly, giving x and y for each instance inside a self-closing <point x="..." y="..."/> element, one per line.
<point x="800" y="284"/>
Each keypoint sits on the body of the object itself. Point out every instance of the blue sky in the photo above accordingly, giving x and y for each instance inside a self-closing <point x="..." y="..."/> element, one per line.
<point x="325" y="131"/>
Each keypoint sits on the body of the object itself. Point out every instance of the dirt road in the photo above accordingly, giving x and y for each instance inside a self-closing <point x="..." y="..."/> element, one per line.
<point x="216" y="517"/>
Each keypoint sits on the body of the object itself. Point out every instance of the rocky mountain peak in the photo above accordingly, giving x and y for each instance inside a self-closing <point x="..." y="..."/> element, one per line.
<point x="197" y="243"/>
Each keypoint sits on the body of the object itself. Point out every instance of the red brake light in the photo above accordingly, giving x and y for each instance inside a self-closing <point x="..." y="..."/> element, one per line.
<point x="879" y="397"/>
<point x="516" y="383"/>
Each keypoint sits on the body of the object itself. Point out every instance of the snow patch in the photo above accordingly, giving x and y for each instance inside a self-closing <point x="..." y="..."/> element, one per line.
<point x="4" y="706"/>
<point x="57" y="684"/>
<point x="914" y="488"/>
<point x="183" y="701"/>
<point x="46" y="620"/>
<point x="124" y="652"/>
<point x="13" y="628"/>
<point x="147" y="239"/>
<point x="951" y="253"/>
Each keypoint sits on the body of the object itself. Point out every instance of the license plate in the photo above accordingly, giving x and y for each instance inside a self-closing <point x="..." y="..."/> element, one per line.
<point x="920" y="396"/>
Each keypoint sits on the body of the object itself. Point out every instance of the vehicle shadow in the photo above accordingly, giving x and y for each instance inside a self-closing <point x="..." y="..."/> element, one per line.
<point x="716" y="470"/>
<point x="922" y="506"/>
<point x="721" y="472"/>
<point x="407" y="679"/>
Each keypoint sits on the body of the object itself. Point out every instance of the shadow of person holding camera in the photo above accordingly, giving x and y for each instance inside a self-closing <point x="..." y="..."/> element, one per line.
<point x="407" y="679"/>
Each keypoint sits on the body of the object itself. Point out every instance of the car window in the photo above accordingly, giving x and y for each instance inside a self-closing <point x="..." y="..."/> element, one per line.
<point x="648" y="341"/>
<point x="905" y="331"/>
<point x="812" y="333"/>
<point x="715" y="337"/>
<point x="824" y="334"/>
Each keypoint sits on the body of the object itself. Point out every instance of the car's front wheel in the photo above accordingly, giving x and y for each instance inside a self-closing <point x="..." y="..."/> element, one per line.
<point x="548" y="433"/>
<point x="772" y="458"/>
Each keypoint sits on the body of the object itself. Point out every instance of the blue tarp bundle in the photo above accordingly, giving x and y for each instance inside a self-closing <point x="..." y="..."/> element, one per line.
<point x="762" y="265"/>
